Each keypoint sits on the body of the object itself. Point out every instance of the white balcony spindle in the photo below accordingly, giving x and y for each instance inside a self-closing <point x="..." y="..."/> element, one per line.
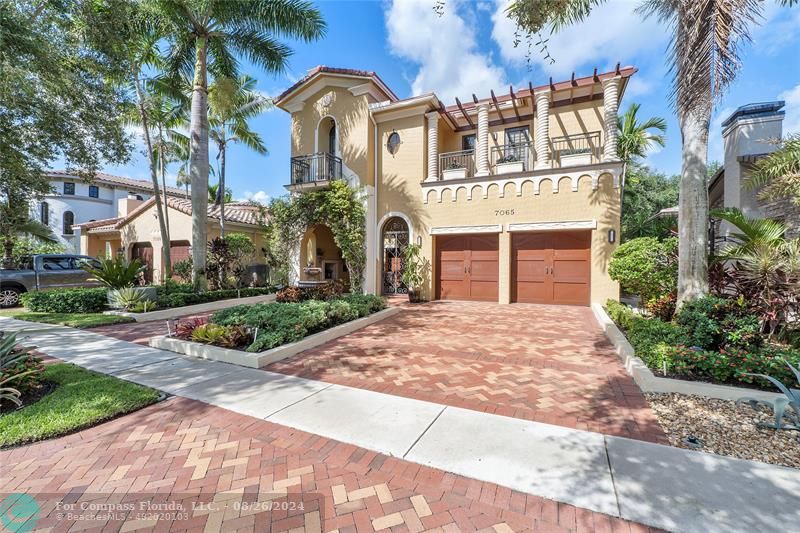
<point x="542" y="129"/>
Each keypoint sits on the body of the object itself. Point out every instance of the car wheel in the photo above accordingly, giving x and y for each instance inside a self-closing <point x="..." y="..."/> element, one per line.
<point x="9" y="297"/>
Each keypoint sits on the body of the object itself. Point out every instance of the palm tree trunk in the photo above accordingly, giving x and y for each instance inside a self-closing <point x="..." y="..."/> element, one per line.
<point x="198" y="164"/>
<point x="221" y="192"/>
<point x="168" y="238"/>
<point x="153" y="173"/>
<point x="693" y="206"/>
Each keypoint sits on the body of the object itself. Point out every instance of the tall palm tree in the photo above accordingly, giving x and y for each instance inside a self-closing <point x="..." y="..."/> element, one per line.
<point x="706" y="37"/>
<point x="204" y="36"/>
<point x="778" y="174"/>
<point x="634" y="138"/>
<point x="214" y="194"/>
<point x="232" y="103"/>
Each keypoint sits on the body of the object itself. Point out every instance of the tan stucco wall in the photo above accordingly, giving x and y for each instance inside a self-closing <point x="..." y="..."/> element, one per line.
<point x="354" y="129"/>
<point x="317" y="238"/>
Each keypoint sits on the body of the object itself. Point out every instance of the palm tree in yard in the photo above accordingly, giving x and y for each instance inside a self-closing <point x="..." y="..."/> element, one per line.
<point x="204" y="37"/>
<point x="635" y="139"/>
<point x="214" y="194"/>
<point x="232" y="103"/>
<point x="705" y="41"/>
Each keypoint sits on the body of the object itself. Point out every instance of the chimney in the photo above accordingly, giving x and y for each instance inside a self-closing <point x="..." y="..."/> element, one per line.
<point x="126" y="205"/>
<point x="745" y="136"/>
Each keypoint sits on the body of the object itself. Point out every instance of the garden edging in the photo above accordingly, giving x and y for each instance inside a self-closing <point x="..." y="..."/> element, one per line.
<point x="261" y="359"/>
<point x="173" y="312"/>
<point x="649" y="382"/>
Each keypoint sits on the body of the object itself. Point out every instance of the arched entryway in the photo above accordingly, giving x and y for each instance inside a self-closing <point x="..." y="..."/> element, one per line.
<point x="320" y="259"/>
<point x="394" y="239"/>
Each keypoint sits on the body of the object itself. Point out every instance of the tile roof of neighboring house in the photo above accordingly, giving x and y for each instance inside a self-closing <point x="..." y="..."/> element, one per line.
<point x="233" y="213"/>
<point x="97" y="223"/>
<point x="322" y="69"/>
<point x="117" y="181"/>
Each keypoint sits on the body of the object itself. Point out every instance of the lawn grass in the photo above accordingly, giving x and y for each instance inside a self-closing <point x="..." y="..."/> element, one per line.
<point x="73" y="320"/>
<point x="81" y="399"/>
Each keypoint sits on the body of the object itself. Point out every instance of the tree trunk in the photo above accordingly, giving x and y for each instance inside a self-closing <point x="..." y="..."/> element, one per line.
<point x="168" y="238"/>
<point x="221" y="191"/>
<point x="153" y="172"/>
<point x="198" y="165"/>
<point x="693" y="206"/>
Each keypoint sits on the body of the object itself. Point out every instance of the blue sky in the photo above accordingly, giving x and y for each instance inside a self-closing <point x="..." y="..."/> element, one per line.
<point x="470" y="49"/>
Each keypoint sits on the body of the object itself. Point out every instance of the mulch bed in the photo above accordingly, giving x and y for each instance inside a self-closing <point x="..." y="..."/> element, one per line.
<point x="724" y="428"/>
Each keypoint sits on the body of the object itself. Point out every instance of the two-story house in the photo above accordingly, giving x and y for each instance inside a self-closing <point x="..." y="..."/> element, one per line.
<point x="512" y="197"/>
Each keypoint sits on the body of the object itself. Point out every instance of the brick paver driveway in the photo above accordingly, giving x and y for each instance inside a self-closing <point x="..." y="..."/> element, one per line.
<point x="189" y="452"/>
<point x="551" y="364"/>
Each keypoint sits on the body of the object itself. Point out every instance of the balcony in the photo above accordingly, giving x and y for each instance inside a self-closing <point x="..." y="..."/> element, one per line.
<point x="457" y="165"/>
<point x="314" y="171"/>
<point x="512" y="158"/>
<point x="576" y="150"/>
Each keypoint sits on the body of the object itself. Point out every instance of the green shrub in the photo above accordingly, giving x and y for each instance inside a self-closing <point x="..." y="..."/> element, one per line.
<point x="116" y="272"/>
<point x="20" y="370"/>
<point x="127" y="298"/>
<point x="734" y="364"/>
<point x="662" y="307"/>
<point x="179" y="298"/>
<point x="183" y="270"/>
<point x="83" y="300"/>
<point x="712" y="323"/>
<point x="652" y="339"/>
<point x="646" y="267"/>
<point x="282" y="323"/>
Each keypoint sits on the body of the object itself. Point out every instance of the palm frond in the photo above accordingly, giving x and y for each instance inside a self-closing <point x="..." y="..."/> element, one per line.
<point x="752" y="232"/>
<point x="296" y="19"/>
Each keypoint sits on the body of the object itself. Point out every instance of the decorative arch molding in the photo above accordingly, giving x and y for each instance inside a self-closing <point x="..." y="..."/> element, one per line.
<point x="438" y="188"/>
<point x="398" y="214"/>
<point x="337" y="132"/>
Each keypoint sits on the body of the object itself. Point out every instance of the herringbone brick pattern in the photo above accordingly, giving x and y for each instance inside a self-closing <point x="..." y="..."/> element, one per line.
<point x="189" y="452"/>
<point x="551" y="364"/>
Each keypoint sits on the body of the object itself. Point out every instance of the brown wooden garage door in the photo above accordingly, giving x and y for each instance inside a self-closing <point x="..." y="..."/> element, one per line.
<point x="551" y="268"/>
<point x="467" y="267"/>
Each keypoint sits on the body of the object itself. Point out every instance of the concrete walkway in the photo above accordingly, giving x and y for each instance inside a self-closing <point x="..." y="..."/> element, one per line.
<point x="657" y="485"/>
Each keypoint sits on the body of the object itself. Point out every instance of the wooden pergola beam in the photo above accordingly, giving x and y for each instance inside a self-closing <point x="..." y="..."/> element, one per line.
<point x="497" y="106"/>
<point x="513" y="100"/>
<point x="464" y="113"/>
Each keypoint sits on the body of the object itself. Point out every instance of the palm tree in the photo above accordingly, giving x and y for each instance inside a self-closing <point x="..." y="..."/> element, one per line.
<point x="232" y="103"/>
<point x="778" y="174"/>
<point x="706" y="37"/>
<point x="214" y="196"/>
<point x="203" y="38"/>
<point x="635" y="139"/>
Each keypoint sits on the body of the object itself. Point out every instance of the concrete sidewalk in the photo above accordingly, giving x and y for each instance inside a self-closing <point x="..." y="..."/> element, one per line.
<point x="657" y="485"/>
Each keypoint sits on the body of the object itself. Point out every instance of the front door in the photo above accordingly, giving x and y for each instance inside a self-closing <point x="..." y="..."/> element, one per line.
<point x="467" y="267"/>
<point x="143" y="251"/>
<point x="551" y="268"/>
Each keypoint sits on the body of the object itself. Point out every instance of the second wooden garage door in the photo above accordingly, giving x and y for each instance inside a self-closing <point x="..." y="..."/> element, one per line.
<point x="467" y="267"/>
<point x="551" y="268"/>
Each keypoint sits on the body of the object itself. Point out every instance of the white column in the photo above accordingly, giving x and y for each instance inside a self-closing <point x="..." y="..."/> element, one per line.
<point x="482" y="144"/>
<point x="610" y="107"/>
<point x="433" y="146"/>
<point x="542" y="130"/>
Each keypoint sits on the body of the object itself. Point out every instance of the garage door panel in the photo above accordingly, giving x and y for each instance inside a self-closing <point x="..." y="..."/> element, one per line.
<point x="570" y="293"/>
<point x="468" y="267"/>
<point x="551" y="267"/>
<point x="484" y="270"/>
<point x="483" y="290"/>
<point x="453" y="290"/>
<point x="452" y="270"/>
<point x="574" y="271"/>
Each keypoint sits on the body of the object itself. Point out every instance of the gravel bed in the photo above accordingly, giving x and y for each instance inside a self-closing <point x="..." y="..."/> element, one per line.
<point x="724" y="428"/>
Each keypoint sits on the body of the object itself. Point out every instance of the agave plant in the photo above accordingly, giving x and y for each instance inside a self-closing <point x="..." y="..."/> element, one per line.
<point x="116" y="273"/>
<point x="10" y="356"/>
<point x="126" y="297"/>
<point x="790" y="398"/>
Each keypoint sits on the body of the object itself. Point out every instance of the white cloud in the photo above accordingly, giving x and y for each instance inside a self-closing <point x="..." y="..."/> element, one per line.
<point x="612" y="33"/>
<point x="445" y="49"/>
<point x="260" y="197"/>
<point x="791" y="123"/>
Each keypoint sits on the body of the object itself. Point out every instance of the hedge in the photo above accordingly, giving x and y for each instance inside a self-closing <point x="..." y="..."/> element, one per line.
<point x="282" y="323"/>
<point x="181" y="298"/>
<point x="83" y="300"/>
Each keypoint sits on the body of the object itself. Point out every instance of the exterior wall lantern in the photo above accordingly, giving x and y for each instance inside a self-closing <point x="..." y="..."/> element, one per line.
<point x="612" y="236"/>
<point x="419" y="240"/>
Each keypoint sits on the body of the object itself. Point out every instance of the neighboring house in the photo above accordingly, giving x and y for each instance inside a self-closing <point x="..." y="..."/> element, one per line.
<point x="76" y="201"/>
<point x="746" y="135"/>
<point x="513" y="197"/>
<point x="135" y="233"/>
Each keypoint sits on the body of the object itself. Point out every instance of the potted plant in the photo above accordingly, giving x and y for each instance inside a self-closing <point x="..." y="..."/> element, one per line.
<point x="455" y="170"/>
<point x="508" y="164"/>
<point x="412" y="272"/>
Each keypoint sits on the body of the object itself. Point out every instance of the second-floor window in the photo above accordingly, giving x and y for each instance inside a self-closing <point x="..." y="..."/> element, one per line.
<point x="94" y="191"/>
<point x="69" y="220"/>
<point x="69" y="188"/>
<point x="44" y="213"/>
<point x="517" y="140"/>
<point x="468" y="142"/>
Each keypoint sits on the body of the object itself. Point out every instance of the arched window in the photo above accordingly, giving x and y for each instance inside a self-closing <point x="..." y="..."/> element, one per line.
<point x="44" y="213"/>
<point x="394" y="241"/>
<point x="69" y="220"/>
<point x="332" y="139"/>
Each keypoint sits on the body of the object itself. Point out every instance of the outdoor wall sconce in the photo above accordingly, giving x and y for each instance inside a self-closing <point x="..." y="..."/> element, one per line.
<point x="612" y="236"/>
<point x="419" y="240"/>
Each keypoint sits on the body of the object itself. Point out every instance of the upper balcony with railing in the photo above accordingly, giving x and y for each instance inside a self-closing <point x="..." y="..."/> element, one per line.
<point x="314" y="171"/>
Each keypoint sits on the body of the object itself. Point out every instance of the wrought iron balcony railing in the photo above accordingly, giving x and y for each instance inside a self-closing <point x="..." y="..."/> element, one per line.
<point x="516" y="157"/>
<point x="454" y="165"/>
<point x="317" y="167"/>
<point x="581" y="143"/>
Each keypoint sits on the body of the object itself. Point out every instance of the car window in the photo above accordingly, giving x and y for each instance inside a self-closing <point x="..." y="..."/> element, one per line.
<point x="80" y="262"/>
<point x="57" y="263"/>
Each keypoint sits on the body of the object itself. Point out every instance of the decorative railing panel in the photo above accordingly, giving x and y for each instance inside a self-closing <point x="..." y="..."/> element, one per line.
<point x="516" y="157"/>
<point x="315" y="167"/>
<point x="459" y="164"/>
<point x="581" y="143"/>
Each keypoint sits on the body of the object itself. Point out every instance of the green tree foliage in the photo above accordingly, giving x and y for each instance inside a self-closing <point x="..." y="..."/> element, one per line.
<point x="646" y="267"/>
<point x="779" y="172"/>
<point x="646" y="193"/>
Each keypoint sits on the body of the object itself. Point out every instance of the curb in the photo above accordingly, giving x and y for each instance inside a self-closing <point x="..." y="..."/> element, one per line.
<point x="174" y="312"/>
